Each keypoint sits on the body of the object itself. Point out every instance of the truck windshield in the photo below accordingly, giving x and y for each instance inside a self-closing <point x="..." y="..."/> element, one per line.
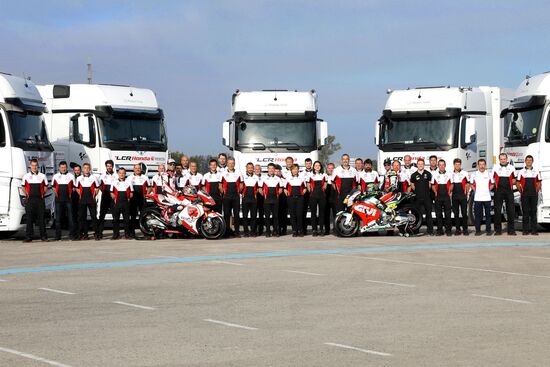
<point x="522" y="126"/>
<point x="135" y="133"/>
<point x="28" y="131"/>
<point x="276" y="135"/>
<point x="419" y="134"/>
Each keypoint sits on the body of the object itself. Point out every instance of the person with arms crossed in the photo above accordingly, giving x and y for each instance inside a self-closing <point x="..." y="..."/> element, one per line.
<point x="504" y="176"/>
<point x="529" y="183"/>
<point x="460" y="189"/>
<point x="441" y="186"/>
<point x="35" y="185"/>
<point x="422" y="187"/>
<point x="63" y="184"/>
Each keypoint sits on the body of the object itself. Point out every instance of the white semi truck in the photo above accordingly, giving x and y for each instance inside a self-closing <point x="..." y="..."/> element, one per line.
<point x="94" y="123"/>
<point x="268" y="126"/>
<point x="23" y="136"/>
<point x="449" y="122"/>
<point x="527" y="132"/>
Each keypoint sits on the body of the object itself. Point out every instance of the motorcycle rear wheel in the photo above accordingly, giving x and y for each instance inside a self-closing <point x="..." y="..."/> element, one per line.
<point x="212" y="228"/>
<point x="148" y="215"/>
<point x="415" y="226"/>
<point x="346" y="230"/>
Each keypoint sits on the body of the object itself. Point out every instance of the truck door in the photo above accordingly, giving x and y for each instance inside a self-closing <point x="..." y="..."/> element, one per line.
<point x="5" y="165"/>
<point x="473" y="141"/>
<point x="544" y="163"/>
<point x="83" y="138"/>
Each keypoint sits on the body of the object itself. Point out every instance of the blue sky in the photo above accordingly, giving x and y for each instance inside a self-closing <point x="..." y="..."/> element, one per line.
<point x="194" y="54"/>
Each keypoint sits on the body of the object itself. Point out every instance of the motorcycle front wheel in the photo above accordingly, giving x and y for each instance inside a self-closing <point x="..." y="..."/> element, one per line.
<point x="346" y="230"/>
<point x="212" y="228"/>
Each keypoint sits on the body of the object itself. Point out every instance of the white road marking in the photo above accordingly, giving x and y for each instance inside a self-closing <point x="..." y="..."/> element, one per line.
<point x="502" y="299"/>
<point x="450" y="266"/>
<point x="165" y="257"/>
<point x="536" y="257"/>
<point x="389" y="283"/>
<point x="227" y="263"/>
<point x="33" y="357"/>
<point x="303" y="272"/>
<point x="368" y="351"/>
<point x="134" y="305"/>
<point x="3" y="280"/>
<point x="230" y="324"/>
<point x="55" y="291"/>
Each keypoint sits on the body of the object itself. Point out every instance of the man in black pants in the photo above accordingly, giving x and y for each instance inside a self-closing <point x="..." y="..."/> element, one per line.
<point x="87" y="186"/>
<point x="35" y="184"/>
<point x="343" y="181"/>
<point x="505" y="179"/>
<point x="211" y="184"/>
<point x="441" y="185"/>
<point x="260" y="200"/>
<point x="306" y="174"/>
<point x="421" y="186"/>
<point x="63" y="184"/>
<point x="529" y="185"/>
<point x="271" y="186"/>
<point x="330" y="194"/>
<point x="106" y="203"/>
<point x="121" y="193"/>
<point x="250" y="203"/>
<point x="459" y="179"/>
<point x="75" y="198"/>
<point x="230" y="187"/>
<point x="140" y="185"/>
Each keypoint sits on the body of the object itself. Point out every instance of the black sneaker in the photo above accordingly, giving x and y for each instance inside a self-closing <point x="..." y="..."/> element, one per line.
<point x="314" y="234"/>
<point x="512" y="233"/>
<point x="458" y="232"/>
<point x="498" y="233"/>
<point x="490" y="233"/>
<point x="478" y="233"/>
<point x="525" y="233"/>
<point x="267" y="234"/>
<point x="465" y="233"/>
<point x="535" y="233"/>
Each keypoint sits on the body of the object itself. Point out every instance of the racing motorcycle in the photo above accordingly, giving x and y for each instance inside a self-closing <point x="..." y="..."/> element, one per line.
<point x="181" y="212"/>
<point x="377" y="211"/>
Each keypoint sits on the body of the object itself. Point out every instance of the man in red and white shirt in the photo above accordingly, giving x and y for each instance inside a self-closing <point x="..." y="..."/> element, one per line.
<point x="161" y="180"/>
<point x="106" y="203"/>
<point x="460" y="188"/>
<point x="211" y="184"/>
<point x="87" y="186"/>
<point x="140" y="186"/>
<point x="441" y="185"/>
<point x="35" y="185"/>
<point x="272" y="186"/>
<point x="482" y="183"/>
<point x="504" y="175"/>
<point x="193" y="177"/>
<point x="249" y="191"/>
<point x="367" y="176"/>
<point x="121" y="193"/>
<point x="344" y="179"/>
<point x="230" y="187"/>
<point x="529" y="184"/>
<point x="63" y="184"/>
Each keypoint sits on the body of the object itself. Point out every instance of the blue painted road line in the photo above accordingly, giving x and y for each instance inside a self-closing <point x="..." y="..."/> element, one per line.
<point x="120" y="264"/>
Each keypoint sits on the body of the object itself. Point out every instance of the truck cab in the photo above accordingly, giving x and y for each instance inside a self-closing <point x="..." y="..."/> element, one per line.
<point x="527" y="132"/>
<point x="268" y="126"/>
<point x="449" y="122"/>
<point x="95" y="122"/>
<point x="23" y="136"/>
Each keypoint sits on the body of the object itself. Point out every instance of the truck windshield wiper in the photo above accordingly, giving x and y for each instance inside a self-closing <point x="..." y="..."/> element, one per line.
<point x="254" y="146"/>
<point x="289" y="145"/>
<point x="429" y="143"/>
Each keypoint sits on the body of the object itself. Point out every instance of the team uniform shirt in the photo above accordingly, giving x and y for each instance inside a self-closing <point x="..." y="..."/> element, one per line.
<point x="459" y="181"/>
<point x="105" y="181"/>
<point x="481" y="182"/>
<point x="63" y="185"/>
<point x="86" y="186"/>
<point x="251" y="184"/>
<point x="122" y="189"/>
<point x="210" y="182"/>
<point x="529" y="179"/>
<point x="36" y="184"/>
<point x="317" y="181"/>
<point x="139" y="184"/>
<point x="271" y="186"/>
<point x="231" y="180"/>
<point x="408" y="171"/>
<point x="286" y="172"/>
<point x="503" y="177"/>
<point x="365" y="178"/>
<point x="442" y="183"/>
<point x="344" y="179"/>
<point x="306" y="174"/>
<point x="421" y="182"/>
<point x="159" y="180"/>
<point x="190" y="179"/>
<point x="221" y="169"/>
<point x="296" y="185"/>
<point x="399" y="181"/>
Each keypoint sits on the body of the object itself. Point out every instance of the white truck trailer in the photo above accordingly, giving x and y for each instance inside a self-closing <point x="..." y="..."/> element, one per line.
<point x="268" y="126"/>
<point x="23" y="136"/>
<point x="95" y="122"/>
<point x="449" y="122"/>
<point x="527" y="124"/>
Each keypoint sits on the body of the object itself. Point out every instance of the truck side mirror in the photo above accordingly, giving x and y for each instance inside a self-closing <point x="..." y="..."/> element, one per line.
<point x="468" y="133"/>
<point x="322" y="133"/>
<point x="376" y="132"/>
<point x="84" y="130"/>
<point x="226" y="134"/>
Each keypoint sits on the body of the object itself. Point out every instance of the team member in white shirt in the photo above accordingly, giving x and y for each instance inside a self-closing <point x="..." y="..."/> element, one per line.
<point x="460" y="197"/>
<point x="529" y="185"/>
<point x="504" y="175"/>
<point x="408" y="168"/>
<point x="140" y="185"/>
<point x="296" y="187"/>
<point x="193" y="177"/>
<point x="272" y="186"/>
<point x="211" y="184"/>
<point x="35" y="185"/>
<point x="367" y="176"/>
<point x="87" y="186"/>
<point x="106" y="203"/>
<point x="344" y="179"/>
<point x="121" y="192"/>
<point x="317" y="186"/>
<point x="230" y="187"/>
<point x="482" y="183"/>
<point x="441" y="185"/>
<point x="63" y="184"/>
<point x="260" y="199"/>
<point x="160" y="179"/>
<point x="250" y="192"/>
